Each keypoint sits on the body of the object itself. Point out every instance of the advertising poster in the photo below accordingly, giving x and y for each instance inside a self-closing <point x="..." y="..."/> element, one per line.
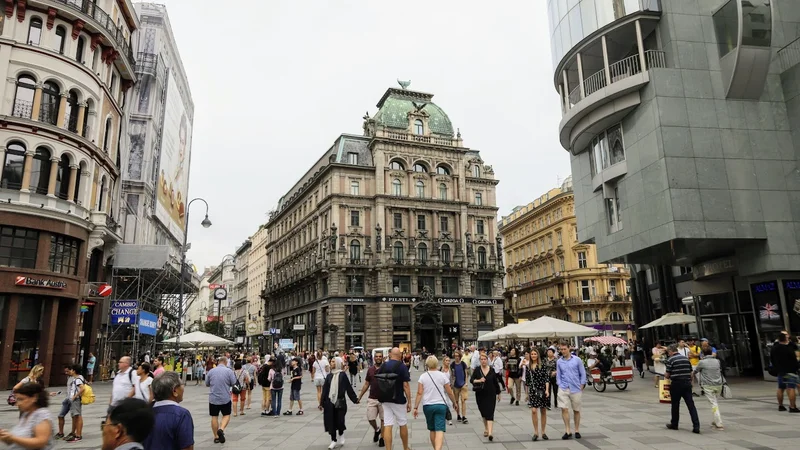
<point x="148" y="323"/>
<point x="768" y="306"/>
<point x="123" y="312"/>
<point x="173" y="173"/>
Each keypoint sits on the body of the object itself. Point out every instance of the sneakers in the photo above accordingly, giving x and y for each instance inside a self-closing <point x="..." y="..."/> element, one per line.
<point x="381" y="443"/>
<point x="75" y="439"/>
<point x="464" y="420"/>
<point x="781" y="408"/>
<point x="458" y="418"/>
<point x="794" y="410"/>
<point x="58" y="436"/>
<point x="332" y="446"/>
<point x="287" y="413"/>
<point x="376" y="436"/>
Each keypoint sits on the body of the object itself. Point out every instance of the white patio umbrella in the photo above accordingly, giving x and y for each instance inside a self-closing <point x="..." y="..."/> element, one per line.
<point x="549" y="327"/>
<point x="670" y="319"/>
<point x="200" y="339"/>
<point x="507" y="332"/>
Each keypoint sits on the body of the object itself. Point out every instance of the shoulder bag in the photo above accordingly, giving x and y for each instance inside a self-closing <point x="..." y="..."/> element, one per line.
<point x="726" y="390"/>
<point x="477" y="387"/>
<point x="447" y="415"/>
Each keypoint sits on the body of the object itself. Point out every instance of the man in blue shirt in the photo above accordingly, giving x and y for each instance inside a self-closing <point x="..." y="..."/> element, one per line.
<point x="220" y="379"/>
<point x="571" y="380"/>
<point x="173" y="428"/>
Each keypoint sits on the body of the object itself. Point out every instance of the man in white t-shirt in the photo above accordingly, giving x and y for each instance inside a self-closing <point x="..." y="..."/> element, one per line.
<point x="123" y="383"/>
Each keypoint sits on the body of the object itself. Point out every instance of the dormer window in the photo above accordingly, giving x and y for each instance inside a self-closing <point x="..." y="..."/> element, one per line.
<point x="419" y="129"/>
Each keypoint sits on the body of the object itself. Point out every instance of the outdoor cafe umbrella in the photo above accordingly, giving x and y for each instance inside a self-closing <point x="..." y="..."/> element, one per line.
<point x="549" y="327"/>
<point x="670" y="319"/>
<point x="200" y="339"/>
<point x="606" y="340"/>
<point x="507" y="332"/>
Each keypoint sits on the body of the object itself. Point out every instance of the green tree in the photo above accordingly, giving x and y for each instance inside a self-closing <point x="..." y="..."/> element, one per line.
<point x="214" y="327"/>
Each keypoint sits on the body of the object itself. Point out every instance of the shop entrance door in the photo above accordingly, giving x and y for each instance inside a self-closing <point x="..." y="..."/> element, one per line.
<point x="734" y="337"/>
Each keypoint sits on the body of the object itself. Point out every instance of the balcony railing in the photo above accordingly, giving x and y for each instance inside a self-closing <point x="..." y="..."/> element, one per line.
<point x="591" y="299"/>
<point x="22" y="109"/>
<point x="595" y="82"/>
<point x="102" y="18"/>
<point x="625" y="68"/>
<point x="49" y="113"/>
<point x="789" y="56"/>
<point x="401" y="136"/>
<point x="72" y="120"/>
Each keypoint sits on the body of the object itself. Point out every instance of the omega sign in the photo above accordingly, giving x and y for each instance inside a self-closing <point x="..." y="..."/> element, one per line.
<point x="39" y="282"/>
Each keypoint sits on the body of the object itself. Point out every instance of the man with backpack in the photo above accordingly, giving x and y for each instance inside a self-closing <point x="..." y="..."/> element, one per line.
<point x="393" y="383"/>
<point x="459" y="373"/>
<point x="263" y="380"/>
<point x="72" y="405"/>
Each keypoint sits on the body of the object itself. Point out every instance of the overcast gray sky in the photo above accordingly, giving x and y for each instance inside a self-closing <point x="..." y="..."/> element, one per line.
<point x="276" y="81"/>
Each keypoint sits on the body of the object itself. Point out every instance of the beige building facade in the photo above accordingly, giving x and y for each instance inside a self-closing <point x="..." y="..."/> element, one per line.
<point x="550" y="273"/>
<point x="389" y="239"/>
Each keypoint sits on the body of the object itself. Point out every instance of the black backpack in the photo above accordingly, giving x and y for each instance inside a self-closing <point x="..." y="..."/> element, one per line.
<point x="386" y="385"/>
<point x="237" y="388"/>
<point x="263" y="375"/>
<point x="277" y="380"/>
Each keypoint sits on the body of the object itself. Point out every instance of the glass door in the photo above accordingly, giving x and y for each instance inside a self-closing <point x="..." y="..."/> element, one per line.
<point x="746" y="344"/>
<point x="719" y="332"/>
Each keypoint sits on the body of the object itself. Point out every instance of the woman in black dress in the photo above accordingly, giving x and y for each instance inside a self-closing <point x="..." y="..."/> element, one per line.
<point x="537" y="379"/>
<point x="333" y="403"/>
<point x="487" y="386"/>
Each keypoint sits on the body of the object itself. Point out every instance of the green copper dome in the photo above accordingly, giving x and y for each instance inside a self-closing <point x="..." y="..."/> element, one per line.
<point x="395" y="105"/>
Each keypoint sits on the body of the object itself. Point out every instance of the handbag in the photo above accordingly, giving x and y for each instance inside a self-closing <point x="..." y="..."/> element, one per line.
<point x="447" y="415"/>
<point x="726" y="390"/>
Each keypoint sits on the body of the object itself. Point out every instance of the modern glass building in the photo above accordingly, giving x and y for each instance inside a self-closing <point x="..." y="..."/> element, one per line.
<point x="682" y="119"/>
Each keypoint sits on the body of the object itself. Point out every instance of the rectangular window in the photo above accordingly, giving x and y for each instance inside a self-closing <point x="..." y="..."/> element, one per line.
<point x="444" y="224"/>
<point x="398" y="221"/>
<point x="483" y="287"/>
<point x="354" y="317"/>
<point x="450" y="314"/>
<point x="64" y="254"/>
<point x="535" y="247"/>
<point x="478" y="198"/>
<point x="449" y="285"/>
<point x="612" y="287"/>
<point x="421" y="222"/>
<point x="401" y="285"/>
<point x="480" y="227"/>
<point x="558" y="237"/>
<point x="484" y="315"/>
<point x="561" y="263"/>
<point x="552" y="267"/>
<point x="586" y="294"/>
<point x="425" y="281"/>
<point x="18" y="247"/>
<point x="550" y="241"/>
<point x="352" y="158"/>
<point x="588" y="316"/>
<point x="354" y="188"/>
<point x="401" y="316"/>
<point x="355" y="285"/>
<point x="582" y="260"/>
<point x="354" y="218"/>
<point x="594" y="287"/>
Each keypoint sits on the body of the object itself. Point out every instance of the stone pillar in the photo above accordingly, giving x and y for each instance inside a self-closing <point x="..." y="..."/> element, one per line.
<point x="51" y="183"/>
<point x="10" y="313"/>
<point x="37" y="102"/>
<point x="2" y="158"/>
<point x="26" y="178"/>
<point x="605" y="60"/>
<point x="85" y="183"/>
<point x="580" y="75"/>
<point x="640" y="44"/>
<point x="81" y="117"/>
<point x="62" y="111"/>
<point x="49" y="325"/>
<point x="73" y="174"/>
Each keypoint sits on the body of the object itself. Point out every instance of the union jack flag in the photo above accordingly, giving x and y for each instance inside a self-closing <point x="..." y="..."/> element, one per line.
<point x="770" y="312"/>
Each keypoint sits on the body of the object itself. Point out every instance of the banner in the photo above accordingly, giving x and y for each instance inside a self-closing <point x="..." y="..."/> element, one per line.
<point x="123" y="312"/>
<point x="148" y="323"/>
<point x="286" y="344"/>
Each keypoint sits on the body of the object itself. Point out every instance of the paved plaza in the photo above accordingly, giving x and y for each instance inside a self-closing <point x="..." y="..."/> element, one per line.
<point x="631" y="419"/>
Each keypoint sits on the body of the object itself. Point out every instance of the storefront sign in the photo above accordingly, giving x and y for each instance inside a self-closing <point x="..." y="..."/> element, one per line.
<point x="123" y="312"/>
<point x="148" y="323"/>
<point x="299" y="327"/>
<point x="714" y="267"/>
<point x="765" y="287"/>
<point x="450" y="301"/>
<point x="215" y="286"/>
<point x="451" y="330"/>
<point x="484" y="302"/>
<point x="286" y="344"/>
<point x="792" y="285"/>
<point x="399" y="299"/>
<point x="214" y="318"/>
<point x="356" y="300"/>
<point x="22" y="280"/>
<point x="96" y="290"/>
<point x="767" y="305"/>
<point x="252" y="327"/>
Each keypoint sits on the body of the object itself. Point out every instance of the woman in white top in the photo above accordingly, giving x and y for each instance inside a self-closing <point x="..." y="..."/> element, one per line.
<point x="658" y="362"/>
<point x="319" y="371"/>
<point x="142" y="385"/>
<point x="433" y="384"/>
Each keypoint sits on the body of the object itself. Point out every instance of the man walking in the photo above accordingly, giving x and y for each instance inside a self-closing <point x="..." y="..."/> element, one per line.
<point x="459" y="373"/>
<point x="173" y="428"/>
<point x="784" y="362"/>
<point x="396" y="411"/>
<point x="374" y="407"/>
<point x="679" y="372"/>
<point x="122" y="387"/>
<point x="72" y="405"/>
<point x="571" y="380"/>
<point x="220" y="379"/>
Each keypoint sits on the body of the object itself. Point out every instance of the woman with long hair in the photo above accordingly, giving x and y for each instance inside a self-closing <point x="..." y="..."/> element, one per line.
<point x="487" y="386"/>
<point x="34" y="376"/>
<point x="445" y="369"/>
<point x="34" y="430"/>
<point x="659" y="352"/>
<point x="142" y="384"/>
<point x="243" y="379"/>
<point x="431" y="389"/>
<point x="537" y="379"/>
<point x="334" y="404"/>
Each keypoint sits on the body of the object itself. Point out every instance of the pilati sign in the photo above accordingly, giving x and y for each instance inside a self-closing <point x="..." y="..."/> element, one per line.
<point x="22" y="280"/>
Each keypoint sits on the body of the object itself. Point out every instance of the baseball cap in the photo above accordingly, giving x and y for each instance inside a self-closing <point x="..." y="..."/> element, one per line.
<point x="704" y="340"/>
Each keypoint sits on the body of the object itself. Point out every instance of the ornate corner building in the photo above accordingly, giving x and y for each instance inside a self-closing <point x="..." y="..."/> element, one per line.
<point x="68" y="66"/>
<point x="379" y="220"/>
<point x="551" y="273"/>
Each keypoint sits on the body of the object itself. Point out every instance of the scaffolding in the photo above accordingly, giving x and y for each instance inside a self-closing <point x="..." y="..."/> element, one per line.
<point x="149" y="275"/>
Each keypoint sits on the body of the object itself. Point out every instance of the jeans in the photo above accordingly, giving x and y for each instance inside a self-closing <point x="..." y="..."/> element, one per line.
<point x="712" y="393"/>
<point x="276" y="400"/>
<point x="682" y="389"/>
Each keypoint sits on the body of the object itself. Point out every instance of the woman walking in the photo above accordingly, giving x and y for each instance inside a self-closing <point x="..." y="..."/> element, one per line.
<point x="34" y="430"/>
<point x="487" y="386"/>
<point x="319" y="371"/>
<point x="549" y="364"/>
<point x="445" y="369"/>
<point x="658" y="362"/>
<point x="199" y="365"/>
<point x="537" y="380"/>
<point x="711" y="382"/>
<point x="430" y="391"/>
<point x="141" y="387"/>
<point x="513" y="379"/>
<point x="334" y="404"/>
<point x="242" y="385"/>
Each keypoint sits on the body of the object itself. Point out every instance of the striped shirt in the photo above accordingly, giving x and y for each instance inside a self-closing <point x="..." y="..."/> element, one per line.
<point x="679" y="368"/>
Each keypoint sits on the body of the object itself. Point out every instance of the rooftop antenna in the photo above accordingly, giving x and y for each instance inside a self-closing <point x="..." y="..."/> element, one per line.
<point x="404" y="84"/>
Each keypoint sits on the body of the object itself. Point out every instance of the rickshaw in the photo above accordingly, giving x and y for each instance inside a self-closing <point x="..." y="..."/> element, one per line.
<point x="618" y="376"/>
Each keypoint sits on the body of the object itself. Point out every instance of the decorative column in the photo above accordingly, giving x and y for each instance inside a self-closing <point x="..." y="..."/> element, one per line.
<point x="37" y="102"/>
<point x="62" y="110"/>
<point x="26" y="173"/>
<point x="640" y="44"/>
<point x="51" y="183"/>
<point x="85" y="185"/>
<point x="73" y="174"/>
<point x="605" y="60"/>
<point x="580" y="75"/>
<point x="566" y="89"/>
<point x="81" y="118"/>
<point x="2" y="158"/>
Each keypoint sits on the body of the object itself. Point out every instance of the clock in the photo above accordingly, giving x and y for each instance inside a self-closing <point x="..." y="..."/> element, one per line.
<point x="220" y="293"/>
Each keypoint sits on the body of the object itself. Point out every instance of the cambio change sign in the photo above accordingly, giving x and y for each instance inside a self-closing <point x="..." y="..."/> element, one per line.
<point x="123" y="312"/>
<point x="173" y="172"/>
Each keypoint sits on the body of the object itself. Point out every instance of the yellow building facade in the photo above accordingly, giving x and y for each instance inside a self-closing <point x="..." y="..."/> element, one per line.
<point x="550" y="273"/>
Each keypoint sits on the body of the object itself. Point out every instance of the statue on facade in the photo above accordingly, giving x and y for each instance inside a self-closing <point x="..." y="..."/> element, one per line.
<point x="426" y="294"/>
<point x="499" y="246"/>
<point x="333" y="238"/>
<point x="378" y="242"/>
<point x="468" y="235"/>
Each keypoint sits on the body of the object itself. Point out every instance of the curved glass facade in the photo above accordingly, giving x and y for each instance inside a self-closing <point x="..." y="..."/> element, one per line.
<point x="573" y="20"/>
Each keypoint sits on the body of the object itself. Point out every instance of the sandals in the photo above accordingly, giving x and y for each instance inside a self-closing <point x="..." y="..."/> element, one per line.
<point x="300" y="413"/>
<point x="535" y="438"/>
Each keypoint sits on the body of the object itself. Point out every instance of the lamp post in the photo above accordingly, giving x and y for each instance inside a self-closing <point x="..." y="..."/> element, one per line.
<point x="353" y="283"/>
<point x="205" y="223"/>
<point x="221" y="278"/>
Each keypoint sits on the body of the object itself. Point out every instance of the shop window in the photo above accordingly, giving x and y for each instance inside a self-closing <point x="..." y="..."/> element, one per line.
<point x="484" y="315"/>
<point x="64" y="254"/>
<point x="401" y="285"/>
<point x="483" y="288"/>
<point x="450" y="314"/>
<point x="425" y="281"/>
<point x="450" y="285"/>
<point x="18" y="247"/>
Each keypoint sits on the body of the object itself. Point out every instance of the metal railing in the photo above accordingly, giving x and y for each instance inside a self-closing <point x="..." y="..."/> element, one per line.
<point x="625" y="68"/>
<point x="146" y="63"/>
<point x="595" y="82"/>
<point x="72" y="119"/>
<point x="22" y="109"/>
<point x="655" y="59"/>
<point x="49" y="113"/>
<point x="789" y="55"/>
<point x="102" y="18"/>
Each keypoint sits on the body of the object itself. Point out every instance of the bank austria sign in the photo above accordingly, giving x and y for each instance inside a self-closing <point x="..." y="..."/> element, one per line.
<point x="22" y="280"/>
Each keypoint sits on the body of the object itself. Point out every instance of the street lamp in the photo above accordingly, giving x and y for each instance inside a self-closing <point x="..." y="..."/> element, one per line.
<point x="205" y="223"/>
<point x="353" y="283"/>
<point x="221" y="278"/>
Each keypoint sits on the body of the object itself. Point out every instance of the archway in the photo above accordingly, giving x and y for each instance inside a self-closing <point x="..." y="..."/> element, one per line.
<point x="428" y="327"/>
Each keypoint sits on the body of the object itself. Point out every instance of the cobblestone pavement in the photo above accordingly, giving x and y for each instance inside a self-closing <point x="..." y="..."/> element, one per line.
<point x="630" y="419"/>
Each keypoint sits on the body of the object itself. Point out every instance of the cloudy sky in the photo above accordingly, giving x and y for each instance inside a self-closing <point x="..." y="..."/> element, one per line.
<point x="276" y="81"/>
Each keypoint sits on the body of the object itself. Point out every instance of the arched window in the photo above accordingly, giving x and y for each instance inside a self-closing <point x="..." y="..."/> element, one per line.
<point x="51" y="97"/>
<point x="419" y="130"/>
<point x="89" y="109"/>
<point x="396" y="165"/>
<point x="420" y="168"/>
<point x="397" y="252"/>
<point x="35" y="31"/>
<point x="62" y="178"/>
<point x="23" y="99"/>
<point x="420" y="189"/>
<point x="476" y="171"/>
<point x="40" y="171"/>
<point x="101" y="197"/>
<point x="442" y="191"/>
<point x="355" y="251"/>
<point x="61" y="34"/>
<point x="107" y="135"/>
<point x="79" y="50"/>
<point x="615" y="317"/>
<point x="445" y="254"/>
<point x="13" y="166"/>
<point x="442" y="170"/>
<point x="72" y="111"/>
<point x="422" y="253"/>
<point x="397" y="187"/>
<point x="76" y="194"/>
<point x="481" y="258"/>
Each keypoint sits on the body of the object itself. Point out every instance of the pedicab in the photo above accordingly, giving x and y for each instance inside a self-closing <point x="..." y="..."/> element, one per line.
<point x="618" y="376"/>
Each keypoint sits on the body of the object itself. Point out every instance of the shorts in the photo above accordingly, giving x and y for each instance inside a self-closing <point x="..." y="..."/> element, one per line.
<point x="73" y="408"/>
<point x="215" y="410"/>
<point x="319" y="382"/>
<point x="462" y="393"/>
<point x="788" y="381"/>
<point x="435" y="417"/>
<point x="374" y="409"/>
<point x="568" y="400"/>
<point x="394" y="414"/>
<point x="240" y="396"/>
<point x="89" y="371"/>
<point x="294" y="395"/>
